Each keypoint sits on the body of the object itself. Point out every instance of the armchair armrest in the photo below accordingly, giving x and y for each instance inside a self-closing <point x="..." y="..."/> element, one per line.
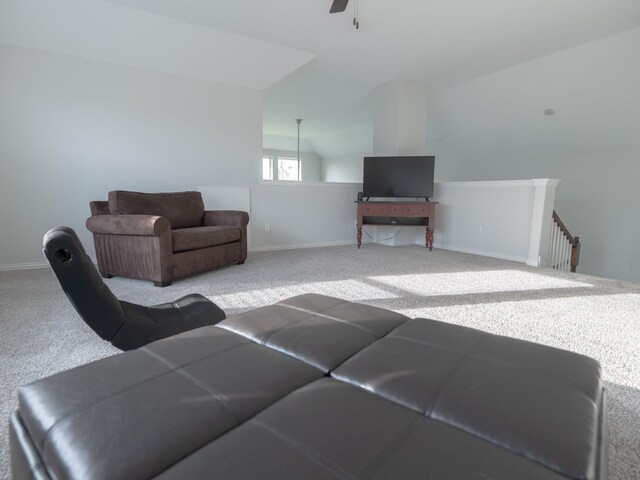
<point x="231" y="218"/>
<point x="99" y="207"/>
<point x="123" y="224"/>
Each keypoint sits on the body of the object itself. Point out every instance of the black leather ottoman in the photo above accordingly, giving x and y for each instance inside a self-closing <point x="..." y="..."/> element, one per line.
<point x="312" y="388"/>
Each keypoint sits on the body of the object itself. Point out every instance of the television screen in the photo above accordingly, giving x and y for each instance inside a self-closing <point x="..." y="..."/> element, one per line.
<point x="398" y="176"/>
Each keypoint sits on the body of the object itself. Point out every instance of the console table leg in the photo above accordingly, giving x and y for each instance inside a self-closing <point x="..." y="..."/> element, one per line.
<point x="429" y="239"/>
<point x="359" y="236"/>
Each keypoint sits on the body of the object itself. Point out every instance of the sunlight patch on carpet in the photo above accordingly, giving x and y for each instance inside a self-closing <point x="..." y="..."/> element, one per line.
<point x="461" y="283"/>
<point x="353" y="290"/>
<point x="604" y="327"/>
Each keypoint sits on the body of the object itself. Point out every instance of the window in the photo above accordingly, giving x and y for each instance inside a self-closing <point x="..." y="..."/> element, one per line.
<point x="275" y="167"/>
<point x="289" y="169"/>
<point x="267" y="168"/>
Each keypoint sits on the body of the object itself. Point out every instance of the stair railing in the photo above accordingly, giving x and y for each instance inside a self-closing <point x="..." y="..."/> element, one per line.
<point x="564" y="249"/>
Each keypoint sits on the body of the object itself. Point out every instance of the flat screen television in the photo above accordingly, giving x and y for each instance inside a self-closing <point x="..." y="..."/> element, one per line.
<point x="398" y="176"/>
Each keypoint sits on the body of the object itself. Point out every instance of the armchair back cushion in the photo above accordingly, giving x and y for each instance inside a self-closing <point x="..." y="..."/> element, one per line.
<point x="183" y="209"/>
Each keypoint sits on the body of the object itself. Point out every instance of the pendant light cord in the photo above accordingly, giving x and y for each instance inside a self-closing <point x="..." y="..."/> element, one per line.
<point x="356" y="23"/>
<point x="298" y="121"/>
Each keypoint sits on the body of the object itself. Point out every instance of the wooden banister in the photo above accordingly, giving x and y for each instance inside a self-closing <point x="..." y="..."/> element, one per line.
<point x="574" y="241"/>
<point x="575" y="254"/>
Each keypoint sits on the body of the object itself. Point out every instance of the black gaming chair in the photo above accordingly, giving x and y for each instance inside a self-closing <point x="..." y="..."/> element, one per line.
<point x="126" y="325"/>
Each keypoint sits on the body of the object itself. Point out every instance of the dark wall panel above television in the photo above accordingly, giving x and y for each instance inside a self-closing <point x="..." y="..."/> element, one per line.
<point x="398" y="176"/>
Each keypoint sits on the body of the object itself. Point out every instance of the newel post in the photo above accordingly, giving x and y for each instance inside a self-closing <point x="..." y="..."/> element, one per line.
<point x="544" y="198"/>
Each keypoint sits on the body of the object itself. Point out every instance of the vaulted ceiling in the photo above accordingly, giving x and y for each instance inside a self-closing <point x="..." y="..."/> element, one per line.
<point x="327" y="68"/>
<point x="442" y="42"/>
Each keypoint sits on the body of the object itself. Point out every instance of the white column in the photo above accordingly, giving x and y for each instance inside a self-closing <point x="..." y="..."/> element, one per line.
<point x="400" y="118"/>
<point x="543" y="203"/>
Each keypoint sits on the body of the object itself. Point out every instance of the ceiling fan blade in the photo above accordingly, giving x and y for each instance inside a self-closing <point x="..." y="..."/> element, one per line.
<point x="338" y="6"/>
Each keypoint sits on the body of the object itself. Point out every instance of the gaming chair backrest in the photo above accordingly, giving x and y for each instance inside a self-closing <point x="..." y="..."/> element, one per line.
<point x="82" y="283"/>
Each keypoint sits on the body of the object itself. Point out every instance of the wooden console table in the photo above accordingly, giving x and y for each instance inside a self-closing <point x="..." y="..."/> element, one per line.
<point x="398" y="213"/>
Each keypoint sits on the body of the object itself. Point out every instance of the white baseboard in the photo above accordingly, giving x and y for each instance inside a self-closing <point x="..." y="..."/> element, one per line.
<point x="480" y="253"/>
<point x="32" y="265"/>
<point x="273" y="248"/>
<point x="23" y="266"/>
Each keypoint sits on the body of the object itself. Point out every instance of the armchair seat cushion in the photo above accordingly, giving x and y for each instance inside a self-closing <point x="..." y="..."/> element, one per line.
<point x="201" y="237"/>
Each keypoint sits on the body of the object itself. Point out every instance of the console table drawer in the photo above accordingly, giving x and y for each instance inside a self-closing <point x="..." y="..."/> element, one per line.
<point x="375" y="210"/>
<point x="415" y="210"/>
<point x="395" y="210"/>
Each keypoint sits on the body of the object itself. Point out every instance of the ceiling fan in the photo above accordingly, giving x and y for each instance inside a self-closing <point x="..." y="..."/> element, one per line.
<point x="339" y="6"/>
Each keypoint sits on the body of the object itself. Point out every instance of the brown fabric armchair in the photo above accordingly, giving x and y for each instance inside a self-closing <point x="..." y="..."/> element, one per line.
<point x="164" y="236"/>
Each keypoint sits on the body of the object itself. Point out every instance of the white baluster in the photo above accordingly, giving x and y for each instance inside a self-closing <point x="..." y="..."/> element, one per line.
<point x="558" y="247"/>
<point x="553" y="246"/>
<point x="553" y="231"/>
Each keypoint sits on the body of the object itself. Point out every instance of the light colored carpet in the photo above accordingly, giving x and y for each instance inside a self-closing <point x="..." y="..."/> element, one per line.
<point x="41" y="334"/>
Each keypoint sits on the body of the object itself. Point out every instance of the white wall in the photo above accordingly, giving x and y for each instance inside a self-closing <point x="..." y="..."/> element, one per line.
<point x="73" y="129"/>
<point x="447" y="164"/>
<point x="344" y="168"/>
<point x="596" y="199"/>
<point x="303" y="215"/>
<point x="484" y="218"/>
<point x="493" y="128"/>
